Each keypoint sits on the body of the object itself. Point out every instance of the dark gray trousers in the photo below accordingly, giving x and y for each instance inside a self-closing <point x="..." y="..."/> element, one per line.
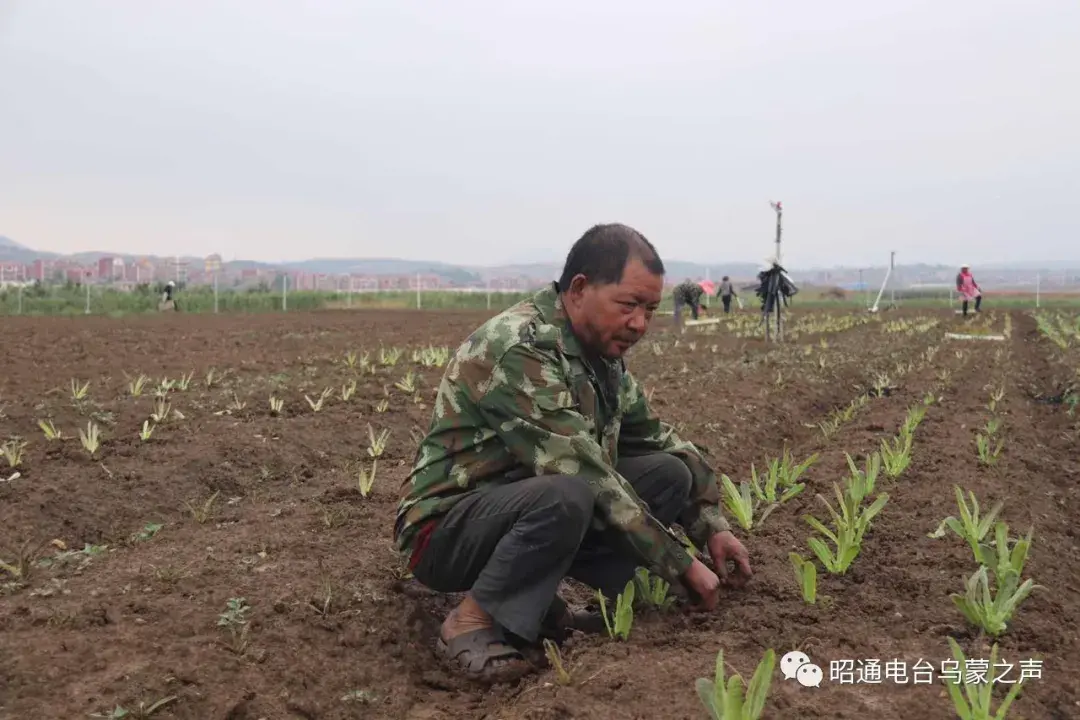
<point x="511" y="545"/>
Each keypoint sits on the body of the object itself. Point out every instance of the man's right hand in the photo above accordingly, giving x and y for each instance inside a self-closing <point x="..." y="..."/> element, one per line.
<point x="704" y="583"/>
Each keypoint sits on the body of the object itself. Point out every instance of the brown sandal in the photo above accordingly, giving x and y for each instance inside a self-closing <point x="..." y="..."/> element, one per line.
<point x="484" y="655"/>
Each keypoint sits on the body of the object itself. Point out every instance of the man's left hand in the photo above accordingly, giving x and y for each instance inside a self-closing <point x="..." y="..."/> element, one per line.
<point x="724" y="546"/>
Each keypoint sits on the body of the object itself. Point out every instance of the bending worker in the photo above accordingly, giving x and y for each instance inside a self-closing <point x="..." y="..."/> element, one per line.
<point x="689" y="293"/>
<point x="968" y="289"/>
<point x="544" y="461"/>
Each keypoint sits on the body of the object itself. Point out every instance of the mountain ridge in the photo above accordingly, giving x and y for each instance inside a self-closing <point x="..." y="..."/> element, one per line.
<point x="469" y="273"/>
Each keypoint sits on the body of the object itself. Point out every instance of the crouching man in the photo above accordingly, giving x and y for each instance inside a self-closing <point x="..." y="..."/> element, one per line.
<point x="543" y="461"/>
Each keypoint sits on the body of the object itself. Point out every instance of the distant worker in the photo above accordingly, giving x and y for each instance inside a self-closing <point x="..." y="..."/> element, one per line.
<point x="689" y="293"/>
<point x="726" y="292"/>
<point x="968" y="289"/>
<point x="168" y="302"/>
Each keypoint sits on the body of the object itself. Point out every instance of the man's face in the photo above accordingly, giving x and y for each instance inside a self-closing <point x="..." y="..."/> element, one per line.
<point x="610" y="319"/>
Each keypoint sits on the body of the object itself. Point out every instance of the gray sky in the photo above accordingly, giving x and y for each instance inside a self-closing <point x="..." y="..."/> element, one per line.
<point x="499" y="130"/>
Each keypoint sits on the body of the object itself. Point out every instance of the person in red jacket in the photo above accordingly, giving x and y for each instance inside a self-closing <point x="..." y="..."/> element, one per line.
<point x="969" y="289"/>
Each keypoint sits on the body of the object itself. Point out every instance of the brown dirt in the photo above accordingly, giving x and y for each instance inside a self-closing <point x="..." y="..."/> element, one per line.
<point x="336" y="633"/>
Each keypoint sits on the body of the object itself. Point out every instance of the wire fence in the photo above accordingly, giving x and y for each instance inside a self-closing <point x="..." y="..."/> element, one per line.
<point x="73" y="300"/>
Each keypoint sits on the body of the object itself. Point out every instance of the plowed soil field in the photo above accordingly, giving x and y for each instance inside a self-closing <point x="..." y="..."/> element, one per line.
<point x="121" y="565"/>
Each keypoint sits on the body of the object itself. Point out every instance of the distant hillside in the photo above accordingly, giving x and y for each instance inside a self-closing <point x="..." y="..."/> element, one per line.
<point x="677" y="270"/>
<point x="385" y="266"/>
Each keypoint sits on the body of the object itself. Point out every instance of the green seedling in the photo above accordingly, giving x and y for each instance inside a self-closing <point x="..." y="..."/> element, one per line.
<point x="317" y="405"/>
<point x="970" y="526"/>
<point x="143" y="712"/>
<point x="975" y="702"/>
<point x="389" y="357"/>
<point x="91" y="439"/>
<point x="12" y="451"/>
<point x="766" y="491"/>
<point x="49" y="430"/>
<point x="79" y="392"/>
<point x="850" y="522"/>
<point x="991" y="612"/>
<point x="861" y="483"/>
<point x="147" y="430"/>
<point x="896" y="456"/>
<point x="377" y="443"/>
<point x="366" y="479"/>
<point x="1000" y="558"/>
<point x="915" y="415"/>
<point x="348" y="390"/>
<point x="185" y="381"/>
<point x="235" y="621"/>
<point x="620" y="622"/>
<point x="135" y="386"/>
<point x="202" y="513"/>
<point x="165" y="386"/>
<point x="652" y="591"/>
<point x="562" y="672"/>
<point x="408" y="383"/>
<point x="806" y="576"/>
<point x="161" y="410"/>
<point x="724" y="699"/>
<point x="988" y="453"/>
<point x="740" y="503"/>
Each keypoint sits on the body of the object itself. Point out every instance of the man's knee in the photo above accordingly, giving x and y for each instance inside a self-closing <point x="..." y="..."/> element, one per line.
<point x="567" y="498"/>
<point x="659" y="477"/>
<point x="676" y="475"/>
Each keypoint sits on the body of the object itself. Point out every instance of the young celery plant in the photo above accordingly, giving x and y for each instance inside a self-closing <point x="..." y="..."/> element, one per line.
<point x="740" y="503"/>
<point x="1000" y="558"/>
<point x="988" y="611"/>
<point x="975" y="702"/>
<point x="851" y="521"/>
<point x="620" y="622"/>
<point x="896" y="456"/>
<point x="970" y="526"/>
<point x="725" y="699"/>
<point x="806" y="576"/>
<point x="988" y="453"/>
<point x="861" y="483"/>
<point x="652" y="590"/>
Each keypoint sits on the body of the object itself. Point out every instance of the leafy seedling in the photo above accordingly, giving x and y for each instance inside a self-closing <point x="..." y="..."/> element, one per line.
<point x="619" y="624"/>
<point x="725" y="698"/>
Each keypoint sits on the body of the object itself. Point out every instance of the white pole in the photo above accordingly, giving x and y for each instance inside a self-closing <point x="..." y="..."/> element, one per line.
<point x="882" y="290"/>
<point x="892" y="288"/>
<point x="215" y="292"/>
<point x="417" y="291"/>
<point x="349" y="301"/>
<point x="1038" y="282"/>
<point x="87" y="296"/>
<point x="284" y="292"/>
<point x="20" y="298"/>
<point x="489" y="294"/>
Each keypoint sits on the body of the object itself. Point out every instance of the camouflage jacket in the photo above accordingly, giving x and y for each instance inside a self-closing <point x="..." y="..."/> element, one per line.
<point x="688" y="292"/>
<point x="516" y="401"/>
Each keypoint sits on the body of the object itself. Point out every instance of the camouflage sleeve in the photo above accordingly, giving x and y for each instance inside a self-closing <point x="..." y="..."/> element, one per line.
<point x="528" y="403"/>
<point x="642" y="433"/>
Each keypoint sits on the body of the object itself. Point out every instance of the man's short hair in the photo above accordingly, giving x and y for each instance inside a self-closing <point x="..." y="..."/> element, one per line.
<point x="601" y="255"/>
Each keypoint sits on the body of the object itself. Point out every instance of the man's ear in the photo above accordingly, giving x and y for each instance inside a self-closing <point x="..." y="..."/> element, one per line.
<point x="577" y="286"/>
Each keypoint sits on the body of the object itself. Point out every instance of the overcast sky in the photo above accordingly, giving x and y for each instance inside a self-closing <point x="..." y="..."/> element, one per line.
<point x="499" y="130"/>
